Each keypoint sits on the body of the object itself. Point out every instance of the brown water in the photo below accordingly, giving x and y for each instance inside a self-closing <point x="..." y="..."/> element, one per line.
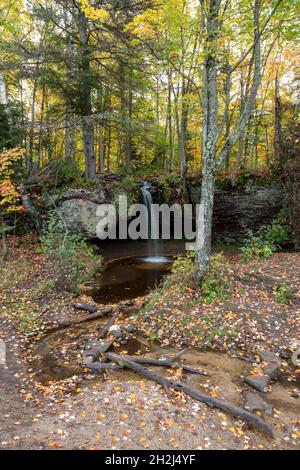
<point x="128" y="278"/>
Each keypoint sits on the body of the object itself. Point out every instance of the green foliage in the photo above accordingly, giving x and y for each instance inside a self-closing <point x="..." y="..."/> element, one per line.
<point x="184" y="265"/>
<point x="44" y="288"/>
<point x="69" y="173"/>
<point x="168" y="184"/>
<point x="254" y="247"/>
<point x="266" y="241"/>
<point x="129" y="187"/>
<point x="283" y="294"/>
<point x="129" y="183"/>
<point x="5" y="137"/>
<point x="215" y="285"/>
<point x="73" y="259"/>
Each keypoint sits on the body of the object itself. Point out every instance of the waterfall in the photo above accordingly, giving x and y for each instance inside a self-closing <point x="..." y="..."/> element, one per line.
<point x="154" y="243"/>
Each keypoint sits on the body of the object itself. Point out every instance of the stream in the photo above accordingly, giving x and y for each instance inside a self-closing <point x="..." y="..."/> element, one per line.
<point x="128" y="278"/>
<point x="131" y="271"/>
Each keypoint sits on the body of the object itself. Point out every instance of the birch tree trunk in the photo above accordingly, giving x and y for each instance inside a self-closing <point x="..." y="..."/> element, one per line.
<point x="4" y="99"/>
<point x="211" y="161"/>
<point x="210" y="122"/>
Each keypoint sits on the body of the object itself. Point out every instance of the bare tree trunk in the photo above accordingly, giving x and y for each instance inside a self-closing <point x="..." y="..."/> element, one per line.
<point x="126" y="105"/>
<point x="239" y="157"/>
<point x="210" y="121"/>
<point x="69" y="21"/>
<point x="101" y="142"/>
<point x="101" y="150"/>
<point x="4" y="248"/>
<point x="41" y="136"/>
<point x="267" y="146"/>
<point x="32" y="123"/>
<point x="86" y="100"/>
<point x="278" y="140"/>
<point x="256" y="140"/>
<point x="170" y="126"/>
<point x="211" y="162"/>
<point x="128" y="133"/>
<point x="227" y="133"/>
<point x="4" y="99"/>
<point x="239" y="160"/>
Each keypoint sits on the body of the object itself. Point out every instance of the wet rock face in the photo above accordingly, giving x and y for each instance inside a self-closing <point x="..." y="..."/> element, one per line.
<point x="236" y="208"/>
<point x="80" y="216"/>
<point x="78" y="209"/>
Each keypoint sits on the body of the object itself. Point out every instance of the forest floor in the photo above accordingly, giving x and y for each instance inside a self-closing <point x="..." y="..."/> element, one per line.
<point x="48" y="401"/>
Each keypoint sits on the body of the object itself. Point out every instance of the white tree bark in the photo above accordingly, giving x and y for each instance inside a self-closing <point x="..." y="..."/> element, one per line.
<point x="211" y="159"/>
<point x="4" y="99"/>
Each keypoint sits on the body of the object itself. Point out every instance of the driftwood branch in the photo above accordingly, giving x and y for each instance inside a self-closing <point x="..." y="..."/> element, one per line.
<point x="85" y="196"/>
<point x="104" y="331"/>
<point x="93" y="316"/>
<point x="233" y="410"/>
<point x="170" y="362"/>
<point x="102" y="366"/>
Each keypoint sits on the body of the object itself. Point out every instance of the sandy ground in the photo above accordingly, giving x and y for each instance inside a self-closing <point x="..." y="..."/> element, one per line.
<point x="123" y="411"/>
<point x="126" y="412"/>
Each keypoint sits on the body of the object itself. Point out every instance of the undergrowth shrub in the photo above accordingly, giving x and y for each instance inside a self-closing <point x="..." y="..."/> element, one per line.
<point x="216" y="285"/>
<point x="266" y="241"/>
<point x="283" y="294"/>
<point x="74" y="261"/>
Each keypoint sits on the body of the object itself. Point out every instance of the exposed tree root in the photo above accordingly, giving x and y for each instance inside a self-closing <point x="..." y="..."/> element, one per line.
<point x="92" y="316"/>
<point x="233" y="410"/>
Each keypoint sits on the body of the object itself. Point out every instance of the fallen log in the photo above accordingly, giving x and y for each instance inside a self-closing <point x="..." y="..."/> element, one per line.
<point x="104" y="331"/>
<point x="171" y="362"/>
<point x="102" y="366"/>
<point x="85" y="196"/>
<point x="92" y="316"/>
<point x="90" y="308"/>
<point x="233" y="410"/>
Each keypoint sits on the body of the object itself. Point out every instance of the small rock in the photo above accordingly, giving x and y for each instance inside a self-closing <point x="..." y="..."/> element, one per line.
<point x="259" y="382"/>
<point x="104" y="346"/>
<point x="90" y="308"/>
<point x="91" y="344"/>
<point x="273" y="371"/>
<point x="88" y="360"/>
<point x="295" y="394"/>
<point x="253" y="402"/>
<point x="128" y="327"/>
<point x="116" y="332"/>
<point x="2" y="353"/>
<point x="92" y="353"/>
<point x="269" y="356"/>
<point x="97" y="349"/>
<point x="284" y="354"/>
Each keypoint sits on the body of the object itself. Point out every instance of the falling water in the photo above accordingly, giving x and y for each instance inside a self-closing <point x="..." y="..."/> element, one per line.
<point x="154" y="243"/>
